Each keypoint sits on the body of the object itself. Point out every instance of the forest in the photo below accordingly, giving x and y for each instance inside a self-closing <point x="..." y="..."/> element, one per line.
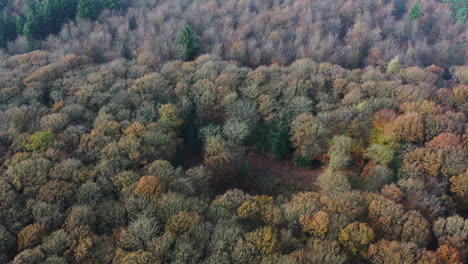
<point x="233" y="131"/>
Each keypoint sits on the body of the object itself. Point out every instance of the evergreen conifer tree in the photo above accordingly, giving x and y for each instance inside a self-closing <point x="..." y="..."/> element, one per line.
<point x="88" y="9"/>
<point x="188" y="42"/>
<point x="7" y="29"/>
<point x="415" y="12"/>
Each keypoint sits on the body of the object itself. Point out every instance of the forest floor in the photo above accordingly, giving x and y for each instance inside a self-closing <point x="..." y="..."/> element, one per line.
<point x="259" y="173"/>
<point x="273" y="176"/>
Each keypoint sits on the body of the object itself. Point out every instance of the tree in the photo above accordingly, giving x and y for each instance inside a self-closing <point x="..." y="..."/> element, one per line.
<point x="409" y="128"/>
<point x="169" y="116"/>
<point x="331" y="181"/>
<point x="422" y="162"/>
<point x="54" y="122"/>
<point x="415" y="12"/>
<point x="384" y="252"/>
<point x="7" y="241"/>
<point x="306" y="133"/>
<point x="88" y="9"/>
<point x="217" y="152"/>
<point x="43" y="18"/>
<point x="39" y="141"/>
<point x="56" y="243"/>
<point x="416" y="229"/>
<point x="188" y="42"/>
<point x="143" y="229"/>
<point x="340" y="153"/>
<point x="260" y="206"/>
<point x="322" y="251"/>
<point x="387" y="216"/>
<point x="376" y="176"/>
<point x="183" y="222"/>
<point x="451" y="231"/>
<point x="112" y="4"/>
<point x="381" y="154"/>
<point x="356" y="238"/>
<point x="459" y="186"/>
<point x="393" y="66"/>
<point x="7" y="29"/>
<point x="139" y="257"/>
<point x="316" y="225"/>
<point x="265" y="240"/>
<point x="448" y="255"/>
<point x="31" y="236"/>
<point x="149" y="186"/>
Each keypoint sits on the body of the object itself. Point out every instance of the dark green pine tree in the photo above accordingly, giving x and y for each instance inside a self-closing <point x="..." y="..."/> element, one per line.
<point x="415" y="12"/>
<point x="188" y="42"/>
<point x="34" y="23"/>
<point x="7" y="29"/>
<point x="88" y="9"/>
<point x="112" y="4"/>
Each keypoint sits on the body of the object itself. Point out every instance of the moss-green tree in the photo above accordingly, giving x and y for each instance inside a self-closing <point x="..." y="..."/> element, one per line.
<point x="39" y="141"/>
<point x="188" y="42"/>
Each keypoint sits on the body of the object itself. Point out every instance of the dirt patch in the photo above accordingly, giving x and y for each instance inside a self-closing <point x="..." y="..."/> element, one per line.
<point x="256" y="173"/>
<point x="280" y="175"/>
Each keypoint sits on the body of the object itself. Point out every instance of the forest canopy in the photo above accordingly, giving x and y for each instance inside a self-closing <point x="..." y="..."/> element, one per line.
<point x="278" y="131"/>
<point x="352" y="33"/>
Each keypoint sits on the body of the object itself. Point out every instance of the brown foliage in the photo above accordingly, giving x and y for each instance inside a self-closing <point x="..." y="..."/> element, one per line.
<point x="183" y="222"/>
<point x="316" y="225"/>
<point x="149" y="186"/>
<point x="409" y="128"/>
<point x="31" y="236"/>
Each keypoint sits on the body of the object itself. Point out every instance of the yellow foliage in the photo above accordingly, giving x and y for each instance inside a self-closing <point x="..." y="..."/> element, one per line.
<point x="216" y="152"/>
<point x="264" y="239"/>
<point x="316" y="225"/>
<point x="139" y="257"/>
<point x="182" y="222"/>
<point x="260" y="206"/>
<point x="136" y="129"/>
<point x="459" y="184"/>
<point x="356" y="237"/>
<point x="169" y="116"/>
<point x="248" y="209"/>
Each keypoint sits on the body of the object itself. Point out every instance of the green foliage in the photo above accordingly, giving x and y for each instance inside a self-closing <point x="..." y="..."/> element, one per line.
<point x="7" y="29"/>
<point x="393" y="66"/>
<point x="7" y="240"/>
<point x="459" y="8"/>
<point x="277" y="141"/>
<point x="340" y="152"/>
<point x="88" y="9"/>
<point x="331" y="181"/>
<point x="56" y="243"/>
<point x="188" y="42"/>
<point x="39" y="141"/>
<point x="415" y="12"/>
<point x="112" y="4"/>
<point x="43" y="18"/>
<point x="356" y="238"/>
<point x="381" y="154"/>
